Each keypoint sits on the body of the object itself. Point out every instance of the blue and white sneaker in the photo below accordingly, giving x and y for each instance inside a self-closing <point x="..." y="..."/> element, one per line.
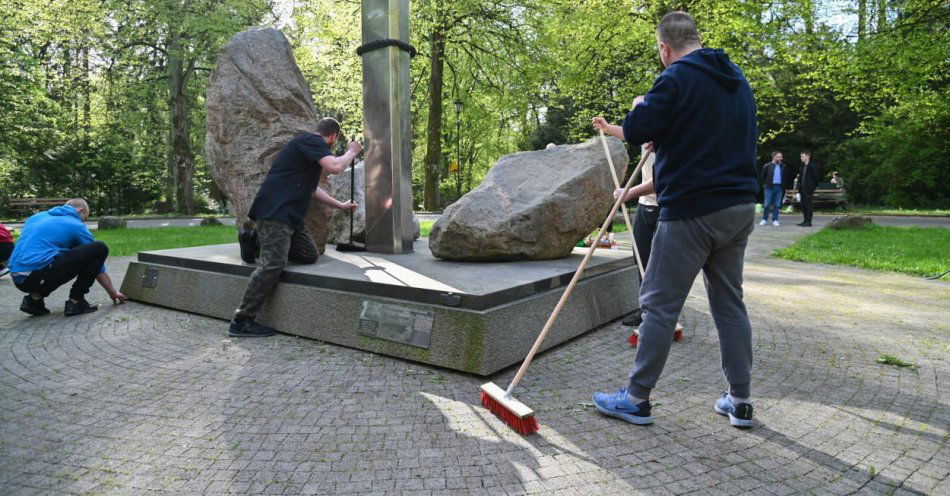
<point x="617" y="405"/>
<point x="740" y="415"/>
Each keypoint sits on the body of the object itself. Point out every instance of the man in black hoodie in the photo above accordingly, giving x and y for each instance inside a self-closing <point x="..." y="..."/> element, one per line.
<point x="700" y="116"/>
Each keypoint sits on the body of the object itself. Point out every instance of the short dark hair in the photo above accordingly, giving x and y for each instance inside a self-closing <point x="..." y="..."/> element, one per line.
<point x="328" y="126"/>
<point x="776" y="152"/>
<point x="806" y="152"/>
<point x="678" y="30"/>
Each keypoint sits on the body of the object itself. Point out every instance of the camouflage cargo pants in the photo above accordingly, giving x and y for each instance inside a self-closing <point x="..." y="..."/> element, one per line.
<point x="280" y="243"/>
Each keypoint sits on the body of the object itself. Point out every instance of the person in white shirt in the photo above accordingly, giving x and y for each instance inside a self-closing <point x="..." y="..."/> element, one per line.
<point x="644" y="226"/>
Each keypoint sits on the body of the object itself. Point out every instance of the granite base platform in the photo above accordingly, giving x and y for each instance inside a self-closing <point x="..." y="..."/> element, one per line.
<point x="474" y="317"/>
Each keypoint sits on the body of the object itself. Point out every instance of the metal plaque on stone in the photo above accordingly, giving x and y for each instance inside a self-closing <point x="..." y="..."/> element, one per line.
<point x="150" y="278"/>
<point x="396" y="323"/>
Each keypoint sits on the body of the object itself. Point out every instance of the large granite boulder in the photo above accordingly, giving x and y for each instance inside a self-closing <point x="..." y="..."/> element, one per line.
<point x="339" y="188"/>
<point x="110" y="222"/>
<point x="531" y="205"/>
<point x="850" y="222"/>
<point x="257" y="100"/>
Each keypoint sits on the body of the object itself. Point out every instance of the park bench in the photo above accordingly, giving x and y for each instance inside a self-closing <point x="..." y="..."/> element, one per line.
<point x="26" y="206"/>
<point x="826" y="195"/>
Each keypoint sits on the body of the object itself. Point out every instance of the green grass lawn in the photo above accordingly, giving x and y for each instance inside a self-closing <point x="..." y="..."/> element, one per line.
<point x="425" y="227"/>
<point x="125" y="242"/>
<point x="871" y="210"/>
<point x="918" y="251"/>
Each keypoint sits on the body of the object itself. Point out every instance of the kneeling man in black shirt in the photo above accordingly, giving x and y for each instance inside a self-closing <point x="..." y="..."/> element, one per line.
<point x="279" y="210"/>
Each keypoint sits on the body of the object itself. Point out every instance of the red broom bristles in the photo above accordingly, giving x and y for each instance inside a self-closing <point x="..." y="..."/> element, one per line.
<point x="524" y="426"/>
<point x="634" y="338"/>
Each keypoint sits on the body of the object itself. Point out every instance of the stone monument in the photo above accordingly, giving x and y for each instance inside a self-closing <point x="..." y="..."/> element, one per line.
<point x="257" y="100"/>
<point x="532" y="205"/>
<point x="399" y="301"/>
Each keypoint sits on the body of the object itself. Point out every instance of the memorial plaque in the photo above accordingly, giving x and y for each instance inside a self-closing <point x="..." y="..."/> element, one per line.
<point x="150" y="278"/>
<point x="396" y="323"/>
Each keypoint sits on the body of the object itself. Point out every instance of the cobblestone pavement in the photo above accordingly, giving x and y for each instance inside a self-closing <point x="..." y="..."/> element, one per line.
<point x="135" y="399"/>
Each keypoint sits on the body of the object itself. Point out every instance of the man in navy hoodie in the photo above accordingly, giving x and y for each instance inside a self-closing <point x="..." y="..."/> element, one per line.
<point x="54" y="248"/>
<point x="700" y="116"/>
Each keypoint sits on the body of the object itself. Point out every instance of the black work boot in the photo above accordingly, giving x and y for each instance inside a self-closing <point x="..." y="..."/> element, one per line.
<point x="250" y="245"/>
<point x="634" y="319"/>
<point x="78" y="307"/>
<point x="33" y="307"/>
<point x="248" y="328"/>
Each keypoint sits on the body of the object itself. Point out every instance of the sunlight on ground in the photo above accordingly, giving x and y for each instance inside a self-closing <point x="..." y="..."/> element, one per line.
<point x="531" y="455"/>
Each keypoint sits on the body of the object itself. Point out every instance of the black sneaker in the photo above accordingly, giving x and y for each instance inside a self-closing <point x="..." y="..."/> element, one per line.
<point x="78" y="308"/>
<point x="248" y="328"/>
<point x="33" y="307"/>
<point x="634" y="319"/>
<point x="250" y="245"/>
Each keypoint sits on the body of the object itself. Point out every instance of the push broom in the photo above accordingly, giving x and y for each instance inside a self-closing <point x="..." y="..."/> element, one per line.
<point x="499" y="401"/>
<point x="634" y="336"/>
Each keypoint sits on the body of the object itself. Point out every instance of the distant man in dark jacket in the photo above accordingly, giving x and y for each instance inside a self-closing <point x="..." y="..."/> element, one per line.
<point x="279" y="209"/>
<point x="700" y="116"/>
<point x="54" y="248"/>
<point x="808" y="179"/>
<point x="774" y="176"/>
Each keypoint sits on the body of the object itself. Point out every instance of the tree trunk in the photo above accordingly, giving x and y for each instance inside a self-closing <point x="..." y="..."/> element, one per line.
<point x="862" y="18"/>
<point x="180" y="156"/>
<point x="86" y="104"/>
<point x="809" y="15"/>
<point x="433" y="156"/>
<point x="881" y="15"/>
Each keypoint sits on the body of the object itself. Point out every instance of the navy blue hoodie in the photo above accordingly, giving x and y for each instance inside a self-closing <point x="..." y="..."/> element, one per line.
<point x="700" y="116"/>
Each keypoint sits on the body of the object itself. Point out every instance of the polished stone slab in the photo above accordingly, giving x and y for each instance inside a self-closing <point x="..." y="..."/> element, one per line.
<point x="475" y="317"/>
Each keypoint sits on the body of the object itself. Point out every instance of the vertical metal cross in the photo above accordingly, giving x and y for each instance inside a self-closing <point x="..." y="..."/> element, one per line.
<point x="388" y="154"/>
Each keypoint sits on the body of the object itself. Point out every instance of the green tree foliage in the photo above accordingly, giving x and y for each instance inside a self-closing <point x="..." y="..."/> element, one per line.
<point x="104" y="98"/>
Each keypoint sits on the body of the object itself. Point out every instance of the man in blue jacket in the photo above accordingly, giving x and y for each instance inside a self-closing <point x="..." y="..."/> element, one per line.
<point x="774" y="177"/>
<point x="54" y="248"/>
<point x="700" y="116"/>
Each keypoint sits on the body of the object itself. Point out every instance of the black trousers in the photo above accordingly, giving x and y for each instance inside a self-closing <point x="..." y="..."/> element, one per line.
<point x="5" y="250"/>
<point x="82" y="263"/>
<point x="807" y="206"/>
<point x="644" y="227"/>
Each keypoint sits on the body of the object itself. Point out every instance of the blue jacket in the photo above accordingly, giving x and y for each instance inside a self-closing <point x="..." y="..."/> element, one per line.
<point x="47" y="234"/>
<point x="700" y="116"/>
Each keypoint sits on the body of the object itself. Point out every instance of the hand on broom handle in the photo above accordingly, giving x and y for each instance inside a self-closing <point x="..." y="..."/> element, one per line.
<point x="623" y="206"/>
<point x="577" y="275"/>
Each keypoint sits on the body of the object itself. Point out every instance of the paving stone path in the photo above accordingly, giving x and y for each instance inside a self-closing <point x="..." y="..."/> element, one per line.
<point x="136" y="399"/>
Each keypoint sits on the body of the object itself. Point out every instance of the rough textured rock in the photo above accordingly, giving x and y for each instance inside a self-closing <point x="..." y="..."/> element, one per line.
<point x="339" y="231"/>
<point x="257" y="100"/>
<point x="210" y="221"/>
<point x="531" y="205"/>
<point x="340" y="189"/>
<point x="109" y="222"/>
<point x="850" y="222"/>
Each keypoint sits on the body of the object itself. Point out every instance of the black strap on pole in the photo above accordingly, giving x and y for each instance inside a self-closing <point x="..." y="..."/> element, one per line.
<point x="386" y="42"/>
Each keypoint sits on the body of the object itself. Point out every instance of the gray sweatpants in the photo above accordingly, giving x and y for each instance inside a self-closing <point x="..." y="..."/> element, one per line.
<point x="714" y="243"/>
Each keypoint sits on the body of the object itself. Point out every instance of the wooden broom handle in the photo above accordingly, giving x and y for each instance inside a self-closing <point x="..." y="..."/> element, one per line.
<point x="623" y="206"/>
<point x="577" y="275"/>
